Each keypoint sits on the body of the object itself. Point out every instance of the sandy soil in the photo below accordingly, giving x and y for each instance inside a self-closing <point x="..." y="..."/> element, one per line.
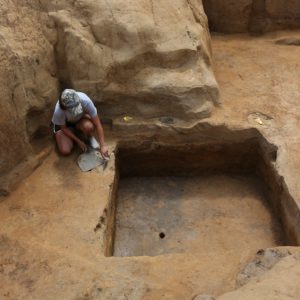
<point x="256" y="75"/>
<point x="51" y="246"/>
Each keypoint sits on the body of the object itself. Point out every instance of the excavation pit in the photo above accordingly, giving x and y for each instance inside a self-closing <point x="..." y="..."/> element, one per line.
<point x="210" y="213"/>
<point x="192" y="198"/>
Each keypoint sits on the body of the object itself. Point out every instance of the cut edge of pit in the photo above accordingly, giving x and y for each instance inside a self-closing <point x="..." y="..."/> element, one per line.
<point x="281" y="202"/>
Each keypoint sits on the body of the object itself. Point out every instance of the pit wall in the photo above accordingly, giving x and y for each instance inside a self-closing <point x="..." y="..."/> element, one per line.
<point x="111" y="216"/>
<point x="256" y="16"/>
<point x="216" y="151"/>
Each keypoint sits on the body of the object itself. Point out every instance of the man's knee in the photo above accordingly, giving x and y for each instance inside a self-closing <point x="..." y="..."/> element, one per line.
<point x="87" y="127"/>
<point x="64" y="144"/>
<point x="65" y="151"/>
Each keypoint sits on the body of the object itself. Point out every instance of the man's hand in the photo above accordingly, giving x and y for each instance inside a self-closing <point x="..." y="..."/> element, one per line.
<point x="82" y="145"/>
<point x="100" y="134"/>
<point x="104" y="152"/>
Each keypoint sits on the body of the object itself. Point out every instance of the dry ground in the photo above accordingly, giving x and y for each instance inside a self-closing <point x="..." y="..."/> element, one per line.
<point x="48" y="246"/>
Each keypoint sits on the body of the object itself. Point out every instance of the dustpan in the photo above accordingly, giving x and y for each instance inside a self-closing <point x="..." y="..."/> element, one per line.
<point x="90" y="160"/>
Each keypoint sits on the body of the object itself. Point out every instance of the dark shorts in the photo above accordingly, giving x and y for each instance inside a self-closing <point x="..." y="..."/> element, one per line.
<point x="56" y="128"/>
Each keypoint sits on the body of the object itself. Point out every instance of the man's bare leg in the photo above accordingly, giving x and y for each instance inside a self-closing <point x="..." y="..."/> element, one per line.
<point x="64" y="143"/>
<point x="86" y="126"/>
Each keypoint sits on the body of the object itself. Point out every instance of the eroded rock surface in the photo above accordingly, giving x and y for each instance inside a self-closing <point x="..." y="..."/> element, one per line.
<point x="143" y="58"/>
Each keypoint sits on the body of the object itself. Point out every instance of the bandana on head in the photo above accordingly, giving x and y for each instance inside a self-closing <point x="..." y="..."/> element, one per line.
<point x="71" y="101"/>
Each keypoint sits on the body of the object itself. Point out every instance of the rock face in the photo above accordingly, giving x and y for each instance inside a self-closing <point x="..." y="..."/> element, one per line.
<point x="252" y="15"/>
<point x="141" y="58"/>
<point x="27" y="80"/>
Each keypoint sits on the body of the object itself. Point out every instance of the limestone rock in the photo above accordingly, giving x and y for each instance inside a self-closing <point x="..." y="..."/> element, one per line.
<point x="256" y="16"/>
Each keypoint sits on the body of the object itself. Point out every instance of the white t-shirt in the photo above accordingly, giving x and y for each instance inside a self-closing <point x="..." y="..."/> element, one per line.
<point x="60" y="116"/>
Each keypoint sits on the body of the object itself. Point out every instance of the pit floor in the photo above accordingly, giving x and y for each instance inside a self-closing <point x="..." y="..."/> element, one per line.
<point x="212" y="213"/>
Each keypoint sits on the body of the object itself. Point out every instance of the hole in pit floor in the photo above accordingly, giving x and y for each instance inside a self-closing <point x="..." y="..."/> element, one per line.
<point x="215" y="213"/>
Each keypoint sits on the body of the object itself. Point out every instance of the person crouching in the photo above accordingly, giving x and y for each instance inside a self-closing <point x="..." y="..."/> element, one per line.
<point x="75" y="111"/>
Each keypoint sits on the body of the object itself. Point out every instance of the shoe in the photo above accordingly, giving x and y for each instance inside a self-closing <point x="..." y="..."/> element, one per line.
<point x="93" y="143"/>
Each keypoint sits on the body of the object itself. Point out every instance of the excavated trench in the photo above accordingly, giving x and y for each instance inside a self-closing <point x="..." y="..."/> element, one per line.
<point x="192" y="197"/>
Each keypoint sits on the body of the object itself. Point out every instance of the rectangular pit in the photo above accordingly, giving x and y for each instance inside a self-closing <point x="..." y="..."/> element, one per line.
<point x="158" y="215"/>
<point x="190" y="198"/>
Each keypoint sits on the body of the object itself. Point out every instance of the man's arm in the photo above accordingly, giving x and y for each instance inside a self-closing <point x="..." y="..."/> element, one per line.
<point x="72" y="136"/>
<point x="100" y="134"/>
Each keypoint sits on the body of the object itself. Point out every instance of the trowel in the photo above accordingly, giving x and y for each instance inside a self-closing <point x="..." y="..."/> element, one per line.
<point x="105" y="161"/>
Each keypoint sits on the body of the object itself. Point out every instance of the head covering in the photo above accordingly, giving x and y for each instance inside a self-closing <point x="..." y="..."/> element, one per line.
<point x="71" y="100"/>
